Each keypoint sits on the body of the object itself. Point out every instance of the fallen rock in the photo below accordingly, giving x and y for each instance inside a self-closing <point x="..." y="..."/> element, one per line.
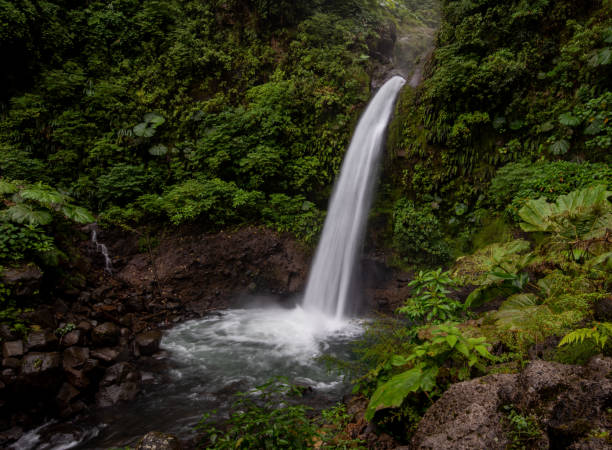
<point x="121" y="382"/>
<point x="41" y="341"/>
<point x="75" y="357"/>
<point x="12" y="349"/>
<point x="39" y="363"/>
<point x="66" y="394"/>
<point x="148" y="342"/>
<point x="155" y="440"/>
<point x="106" y="334"/>
<point x="12" y="363"/>
<point x="74" y="337"/>
<point x="105" y="354"/>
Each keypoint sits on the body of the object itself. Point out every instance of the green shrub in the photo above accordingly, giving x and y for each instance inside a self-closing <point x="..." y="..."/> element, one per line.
<point x="417" y="234"/>
<point x="516" y="183"/>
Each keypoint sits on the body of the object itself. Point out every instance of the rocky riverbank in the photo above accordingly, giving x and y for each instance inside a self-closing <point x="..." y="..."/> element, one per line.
<point x="87" y="347"/>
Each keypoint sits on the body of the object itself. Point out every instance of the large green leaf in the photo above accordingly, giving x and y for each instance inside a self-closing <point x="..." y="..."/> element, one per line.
<point x="393" y="392"/>
<point x="569" y="120"/>
<point x="540" y="215"/>
<point x="42" y="194"/>
<point x="6" y="187"/>
<point x="77" y="214"/>
<point x="22" y="213"/>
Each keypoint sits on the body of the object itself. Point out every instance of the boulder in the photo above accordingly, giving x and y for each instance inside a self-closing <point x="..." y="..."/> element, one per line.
<point x="66" y="394"/>
<point x="466" y="417"/>
<point x="74" y="337"/>
<point x="121" y="382"/>
<point x="570" y="404"/>
<point x="12" y="363"/>
<point x="106" y="354"/>
<point x="12" y="348"/>
<point x="41" y="341"/>
<point x="155" y="440"/>
<point x="75" y="357"/>
<point x="148" y="342"/>
<point x="40" y="363"/>
<point x="106" y="334"/>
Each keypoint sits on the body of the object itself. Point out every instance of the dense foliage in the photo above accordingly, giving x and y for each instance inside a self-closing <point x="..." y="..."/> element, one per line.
<point x="241" y="110"/>
<point x="509" y="84"/>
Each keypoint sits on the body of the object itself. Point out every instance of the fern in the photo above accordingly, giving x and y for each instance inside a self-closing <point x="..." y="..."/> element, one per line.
<point x="599" y="334"/>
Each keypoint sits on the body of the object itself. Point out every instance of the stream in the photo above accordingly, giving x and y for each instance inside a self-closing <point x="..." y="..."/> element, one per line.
<point x="208" y="361"/>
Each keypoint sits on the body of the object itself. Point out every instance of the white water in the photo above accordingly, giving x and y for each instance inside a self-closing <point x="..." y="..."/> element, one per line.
<point x="236" y="350"/>
<point x="101" y="248"/>
<point x="329" y="282"/>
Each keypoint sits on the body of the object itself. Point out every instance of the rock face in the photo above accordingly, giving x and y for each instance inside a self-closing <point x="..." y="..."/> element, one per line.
<point x="158" y="441"/>
<point x="25" y="281"/>
<point x="227" y="263"/>
<point x="568" y="401"/>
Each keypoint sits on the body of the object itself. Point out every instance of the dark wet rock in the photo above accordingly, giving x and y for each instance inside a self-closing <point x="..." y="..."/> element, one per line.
<point x="6" y="333"/>
<point x="25" y="281"/>
<point x="84" y="326"/>
<point x="106" y="354"/>
<point x="155" y="440"/>
<point x="106" y="334"/>
<point x="41" y="340"/>
<point x="111" y="354"/>
<point x="121" y="382"/>
<point x="66" y="394"/>
<point x="39" y="363"/>
<point x="44" y="316"/>
<point x="603" y="309"/>
<point x="10" y="435"/>
<point x="12" y="349"/>
<point x="75" y="357"/>
<point x="74" y="337"/>
<point x="12" y="363"/>
<point x="148" y="342"/>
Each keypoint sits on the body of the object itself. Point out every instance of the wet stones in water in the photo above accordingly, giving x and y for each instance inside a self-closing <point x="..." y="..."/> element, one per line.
<point x="106" y="334"/>
<point x="147" y="343"/>
<point x="159" y="441"/>
<point x="121" y="382"/>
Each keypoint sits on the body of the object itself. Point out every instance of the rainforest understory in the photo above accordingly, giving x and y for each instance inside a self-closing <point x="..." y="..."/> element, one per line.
<point x="200" y="141"/>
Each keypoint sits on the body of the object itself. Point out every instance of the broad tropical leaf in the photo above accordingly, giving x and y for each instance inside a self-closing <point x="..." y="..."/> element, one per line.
<point x="158" y="150"/>
<point x="393" y="392"/>
<point x="77" y="214"/>
<point x="6" y="187"/>
<point x="42" y="194"/>
<point x="22" y="213"/>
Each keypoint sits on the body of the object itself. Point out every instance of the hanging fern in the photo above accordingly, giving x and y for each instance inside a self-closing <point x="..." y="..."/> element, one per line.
<point x="599" y="334"/>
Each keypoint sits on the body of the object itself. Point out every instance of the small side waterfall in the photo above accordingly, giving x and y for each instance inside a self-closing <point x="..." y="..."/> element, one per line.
<point x="101" y="248"/>
<point x="329" y="281"/>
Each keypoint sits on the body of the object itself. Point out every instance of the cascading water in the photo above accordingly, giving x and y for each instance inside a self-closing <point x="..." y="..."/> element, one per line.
<point x="329" y="282"/>
<point x="101" y="248"/>
<point x="238" y="349"/>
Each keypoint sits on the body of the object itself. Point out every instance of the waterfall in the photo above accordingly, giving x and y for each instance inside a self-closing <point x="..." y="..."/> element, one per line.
<point x="330" y="276"/>
<point x="101" y="248"/>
